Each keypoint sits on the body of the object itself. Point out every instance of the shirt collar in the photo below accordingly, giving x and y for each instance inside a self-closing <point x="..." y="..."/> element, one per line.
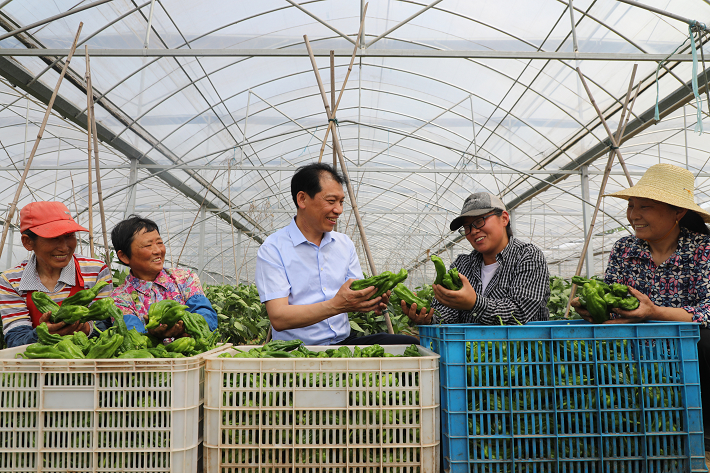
<point x="297" y="236"/>
<point x="143" y="286"/>
<point x="641" y="249"/>
<point x="31" y="281"/>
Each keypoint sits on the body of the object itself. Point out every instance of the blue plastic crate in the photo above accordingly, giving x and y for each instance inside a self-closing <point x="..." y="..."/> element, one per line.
<point x="569" y="397"/>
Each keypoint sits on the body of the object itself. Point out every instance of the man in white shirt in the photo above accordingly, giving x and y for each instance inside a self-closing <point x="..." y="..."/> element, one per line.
<point x="304" y="271"/>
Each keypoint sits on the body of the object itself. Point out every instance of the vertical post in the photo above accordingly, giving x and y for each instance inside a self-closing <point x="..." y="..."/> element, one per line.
<point x="99" y="193"/>
<point x="574" y="28"/>
<point x="451" y="254"/>
<point x="132" y="182"/>
<point x="201" y="247"/>
<point x="27" y="126"/>
<point x="90" y="188"/>
<point x="239" y="251"/>
<point x="685" y="135"/>
<point x="332" y="100"/>
<point x="512" y="220"/>
<point x="587" y="217"/>
<point x="9" y="247"/>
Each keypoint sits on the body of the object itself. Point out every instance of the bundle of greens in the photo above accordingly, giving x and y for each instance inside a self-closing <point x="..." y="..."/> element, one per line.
<point x="296" y="349"/>
<point x="449" y="279"/>
<point x="599" y="298"/>
<point x="242" y="316"/>
<point x="119" y="342"/>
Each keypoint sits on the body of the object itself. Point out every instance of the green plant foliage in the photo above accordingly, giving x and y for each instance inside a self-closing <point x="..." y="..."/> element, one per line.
<point x="242" y="317"/>
<point x="560" y="290"/>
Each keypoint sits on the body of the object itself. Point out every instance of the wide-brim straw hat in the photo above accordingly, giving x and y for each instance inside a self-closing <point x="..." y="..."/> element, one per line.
<point x="666" y="183"/>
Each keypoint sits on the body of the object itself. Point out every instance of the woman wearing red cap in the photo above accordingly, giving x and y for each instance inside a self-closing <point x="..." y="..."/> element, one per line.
<point x="48" y="231"/>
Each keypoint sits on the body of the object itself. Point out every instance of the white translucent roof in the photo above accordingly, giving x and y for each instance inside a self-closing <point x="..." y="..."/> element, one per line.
<point x="419" y="134"/>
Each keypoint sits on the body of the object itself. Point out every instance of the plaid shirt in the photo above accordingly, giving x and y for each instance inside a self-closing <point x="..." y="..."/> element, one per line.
<point x="518" y="290"/>
<point x="681" y="281"/>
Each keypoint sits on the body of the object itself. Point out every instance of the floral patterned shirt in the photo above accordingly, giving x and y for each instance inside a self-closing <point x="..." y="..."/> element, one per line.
<point x="135" y="296"/>
<point x="681" y="281"/>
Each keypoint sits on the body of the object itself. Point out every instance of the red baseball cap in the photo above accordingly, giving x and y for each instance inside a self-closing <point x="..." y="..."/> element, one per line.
<point x="48" y="219"/>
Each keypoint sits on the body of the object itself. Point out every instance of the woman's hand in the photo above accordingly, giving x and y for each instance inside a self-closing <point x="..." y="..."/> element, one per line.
<point x="419" y="318"/>
<point x="62" y="328"/>
<point x="162" y="331"/>
<point x="584" y="313"/>
<point x="645" y="311"/>
<point x="463" y="299"/>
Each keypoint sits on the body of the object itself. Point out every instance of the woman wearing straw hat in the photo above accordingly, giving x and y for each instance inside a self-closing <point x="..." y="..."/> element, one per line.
<point x="48" y="231"/>
<point x="666" y="263"/>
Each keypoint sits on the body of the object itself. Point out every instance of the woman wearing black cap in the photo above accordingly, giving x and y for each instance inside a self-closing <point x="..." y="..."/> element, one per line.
<point x="505" y="281"/>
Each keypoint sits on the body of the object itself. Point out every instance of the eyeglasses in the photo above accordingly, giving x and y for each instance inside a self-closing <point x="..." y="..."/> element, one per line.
<point x="477" y="224"/>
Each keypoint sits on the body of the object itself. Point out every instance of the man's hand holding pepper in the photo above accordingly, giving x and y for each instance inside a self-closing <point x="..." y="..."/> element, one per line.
<point x="463" y="299"/>
<point x="347" y="300"/>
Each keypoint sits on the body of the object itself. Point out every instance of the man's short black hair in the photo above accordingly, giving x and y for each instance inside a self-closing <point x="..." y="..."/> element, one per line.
<point x="307" y="179"/>
<point x="122" y="234"/>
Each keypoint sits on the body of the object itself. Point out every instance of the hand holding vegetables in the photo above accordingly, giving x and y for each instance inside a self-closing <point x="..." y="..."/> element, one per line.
<point x="596" y="299"/>
<point x="459" y="299"/>
<point x="416" y="309"/>
<point x="349" y="300"/>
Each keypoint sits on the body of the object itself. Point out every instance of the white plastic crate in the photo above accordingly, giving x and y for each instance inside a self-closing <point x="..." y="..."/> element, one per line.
<point x="334" y="415"/>
<point x="142" y="415"/>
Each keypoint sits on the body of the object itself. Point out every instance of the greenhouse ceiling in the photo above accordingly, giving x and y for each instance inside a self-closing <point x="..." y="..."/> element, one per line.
<point x="205" y="109"/>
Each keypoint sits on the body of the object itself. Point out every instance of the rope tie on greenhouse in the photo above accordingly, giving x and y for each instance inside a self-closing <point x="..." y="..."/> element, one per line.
<point x="692" y="27"/>
<point x="334" y="120"/>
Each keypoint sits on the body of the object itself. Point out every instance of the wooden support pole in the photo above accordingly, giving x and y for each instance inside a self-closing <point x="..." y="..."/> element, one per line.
<point x="50" y="104"/>
<point x="90" y="94"/>
<point x="89" y="127"/>
<point x="610" y="161"/>
<point x="614" y="141"/>
<point x="342" y="88"/>
<point x="351" y="192"/>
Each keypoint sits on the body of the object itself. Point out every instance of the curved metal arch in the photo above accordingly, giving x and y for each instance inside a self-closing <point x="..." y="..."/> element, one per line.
<point x="417" y="74"/>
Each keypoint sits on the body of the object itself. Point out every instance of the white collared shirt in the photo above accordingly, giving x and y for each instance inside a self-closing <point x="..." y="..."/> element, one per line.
<point x="288" y="265"/>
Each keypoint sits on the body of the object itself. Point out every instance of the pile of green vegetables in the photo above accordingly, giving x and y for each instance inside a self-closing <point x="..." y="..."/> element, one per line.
<point x="599" y="298"/>
<point x="560" y="290"/>
<point x="117" y="341"/>
<point x="296" y="349"/>
<point x="516" y="386"/>
<point x="242" y="317"/>
<point x="449" y="279"/>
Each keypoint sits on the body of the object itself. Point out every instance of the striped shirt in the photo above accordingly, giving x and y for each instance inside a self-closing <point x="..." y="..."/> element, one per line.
<point x="16" y="282"/>
<point x="519" y="289"/>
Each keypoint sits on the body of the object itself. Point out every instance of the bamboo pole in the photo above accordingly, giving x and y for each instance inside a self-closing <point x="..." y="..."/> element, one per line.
<point x="621" y="129"/>
<point x="87" y="78"/>
<point x="76" y="209"/>
<point x="614" y="142"/>
<point x="351" y="192"/>
<point x="90" y="94"/>
<point x="50" y="104"/>
<point x="342" y="88"/>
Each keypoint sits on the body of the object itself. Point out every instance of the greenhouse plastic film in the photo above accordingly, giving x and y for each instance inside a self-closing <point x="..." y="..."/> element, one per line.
<point x="140" y="415"/>
<point x="569" y="396"/>
<point x="344" y="414"/>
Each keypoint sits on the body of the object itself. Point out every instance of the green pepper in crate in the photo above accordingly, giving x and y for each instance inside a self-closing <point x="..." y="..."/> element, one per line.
<point x="44" y="303"/>
<point x="181" y="345"/>
<point x="39" y="351"/>
<point x="143" y="353"/>
<point x="402" y="292"/>
<point x="82" y="341"/>
<point x="46" y="338"/>
<point x="84" y="298"/>
<point x="68" y="347"/>
<point x="69" y="314"/>
<point x="106" y="345"/>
